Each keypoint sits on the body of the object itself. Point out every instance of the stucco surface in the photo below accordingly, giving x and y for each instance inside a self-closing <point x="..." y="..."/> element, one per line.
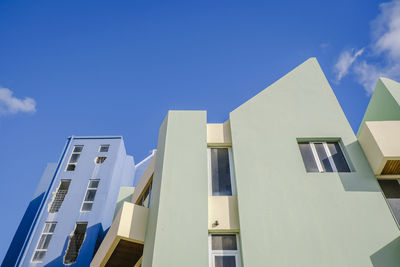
<point x="177" y="232"/>
<point x="289" y="217"/>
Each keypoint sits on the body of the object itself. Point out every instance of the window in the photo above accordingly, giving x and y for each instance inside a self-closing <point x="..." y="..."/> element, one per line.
<point x="323" y="157"/>
<point x="104" y="148"/>
<point x="73" y="160"/>
<point x="391" y="189"/>
<point x="220" y="172"/>
<point x="224" y="250"/>
<point x="75" y="243"/>
<point x="44" y="241"/>
<point x="100" y="160"/>
<point x="145" y="199"/>
<point x="90" y="195"/>
<point x="59" y="196"/>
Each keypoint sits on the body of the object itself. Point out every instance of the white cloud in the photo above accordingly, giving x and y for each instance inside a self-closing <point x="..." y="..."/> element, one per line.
<point x="386" y="30"/>
<point x="344" y="62"/>
<point x="383" y="57"/>
<point x="9" y="104"/>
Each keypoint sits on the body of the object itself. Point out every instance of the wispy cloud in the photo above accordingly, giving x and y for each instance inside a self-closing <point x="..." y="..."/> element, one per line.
<point x="344" y="62"/>
<point x="382" y="57"/>
<point x="10" y="104"/>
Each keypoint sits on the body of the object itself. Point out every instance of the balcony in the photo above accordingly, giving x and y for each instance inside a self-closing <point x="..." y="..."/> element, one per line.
<point x="380" y="141"/>
<point x="123" y="244"/>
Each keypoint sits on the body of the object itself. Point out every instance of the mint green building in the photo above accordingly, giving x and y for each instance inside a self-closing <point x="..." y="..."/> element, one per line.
<point x="283" y="182"/>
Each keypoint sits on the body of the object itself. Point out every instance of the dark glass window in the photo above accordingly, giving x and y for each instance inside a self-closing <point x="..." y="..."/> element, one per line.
<point x="220" y="172"/>
<point x="75" y="243"/>
<point x="323" y="157"/>
<point x="391" y="189"/>
<point x="224" y="242"/>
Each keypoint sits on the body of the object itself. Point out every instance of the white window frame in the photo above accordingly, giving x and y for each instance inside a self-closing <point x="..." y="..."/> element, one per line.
<point x="231" y="169"/>
<point x="91" y="201"/>
<point x="329" y="155"/>
<point x="73" y="153"/>
<point x="40" y="237"/>
<point x="212" y="253"/>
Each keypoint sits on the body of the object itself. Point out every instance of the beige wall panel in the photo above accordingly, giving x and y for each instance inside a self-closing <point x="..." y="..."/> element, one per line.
<point x="224" y="210"/>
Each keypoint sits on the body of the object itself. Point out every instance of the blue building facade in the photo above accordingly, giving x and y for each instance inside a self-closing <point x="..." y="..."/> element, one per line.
<point x="74" y="204"/>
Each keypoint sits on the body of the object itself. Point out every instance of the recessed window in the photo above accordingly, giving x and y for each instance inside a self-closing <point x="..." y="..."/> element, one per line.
<point x="73" y="160"/>
<point x="90" y="195"/>
<point x="104" y="148"/>
<point x="224" y="250"/>
<point x="220" y="172"/>
<point x="391" y="189"/>
<point x="100" y="160"/>
<point x="44" y="242"/>
<point x="75" y="243"/>
<point x="145" y="198"/>
<point x="59" y="196"/>
<point x="323" y="157"/>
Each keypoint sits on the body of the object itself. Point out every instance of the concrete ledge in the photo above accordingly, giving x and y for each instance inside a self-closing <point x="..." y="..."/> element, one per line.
<point x="130" y="225"/>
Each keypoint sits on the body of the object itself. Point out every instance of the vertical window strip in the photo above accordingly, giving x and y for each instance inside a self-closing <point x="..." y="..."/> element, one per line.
<point x="221" y="178"/>
<point x="75" y="243"/>
<point x="90" y="195"/>
<point x="59" y="196"/>
<point x="73" y="160"/>
<point x="44" y="242"/>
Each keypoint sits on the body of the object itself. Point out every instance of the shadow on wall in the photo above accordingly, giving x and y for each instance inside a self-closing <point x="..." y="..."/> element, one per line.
<point x="360" y="183"/>
<point x="22" y="232"/>
<point x="87" y="250"/>
<point x="388" y="256"/>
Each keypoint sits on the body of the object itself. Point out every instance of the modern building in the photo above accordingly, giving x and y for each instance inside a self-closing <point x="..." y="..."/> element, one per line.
<point x="283" y="182"/>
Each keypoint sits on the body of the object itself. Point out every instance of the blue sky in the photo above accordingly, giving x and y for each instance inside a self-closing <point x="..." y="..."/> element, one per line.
<point x="116" y="67"/>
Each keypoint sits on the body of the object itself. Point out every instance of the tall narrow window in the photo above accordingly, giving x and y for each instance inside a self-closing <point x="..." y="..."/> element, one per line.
<point x="391" y="189"/>
<point x="90" y="195"/>
<point x="75" y="243"/>
<point x="73" y="160"/>
<point x="221" y="181"/>
<point x="145" y="198"/>
<point x="44" y="241"/>
<point x="104" y="148"/>
<point x="323" y="157"/>
<point x="59" y="196"/>
<point x="224" y="251"/>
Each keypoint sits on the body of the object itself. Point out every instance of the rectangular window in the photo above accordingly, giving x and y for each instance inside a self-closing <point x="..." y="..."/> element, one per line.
<point x="59" y="196"/>
<point x="224" y="250"/>
<point x="104" y="148"/>
<point x="145" y="199"/>
<point x="44" y="241"/>
<point x="323" y="157"/>
<point x="90" y="195"/>
<point x="75" y="243"/>
<point x="73" y="160"/>
<point x="391" y="189"/>
<point x="220" y="171"/>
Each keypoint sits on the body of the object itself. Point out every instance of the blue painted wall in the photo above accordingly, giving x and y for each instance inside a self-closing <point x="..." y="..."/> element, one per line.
<point x="117" y="170"/>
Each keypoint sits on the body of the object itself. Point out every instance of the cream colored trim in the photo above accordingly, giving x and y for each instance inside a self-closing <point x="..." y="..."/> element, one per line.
<point x="139" y="262"/>
<point x="223" y="209"/>
<point x="219" y="134"/>
<point x="144" y="181"/>
<point x="130" y="225"/>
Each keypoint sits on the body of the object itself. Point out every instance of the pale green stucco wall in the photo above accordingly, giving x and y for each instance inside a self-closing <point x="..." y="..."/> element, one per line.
<point x="177" y="230"/>
<point x="385" y="102"/>
<point x="125" y="194"/>
<point x="289" y="217"/>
